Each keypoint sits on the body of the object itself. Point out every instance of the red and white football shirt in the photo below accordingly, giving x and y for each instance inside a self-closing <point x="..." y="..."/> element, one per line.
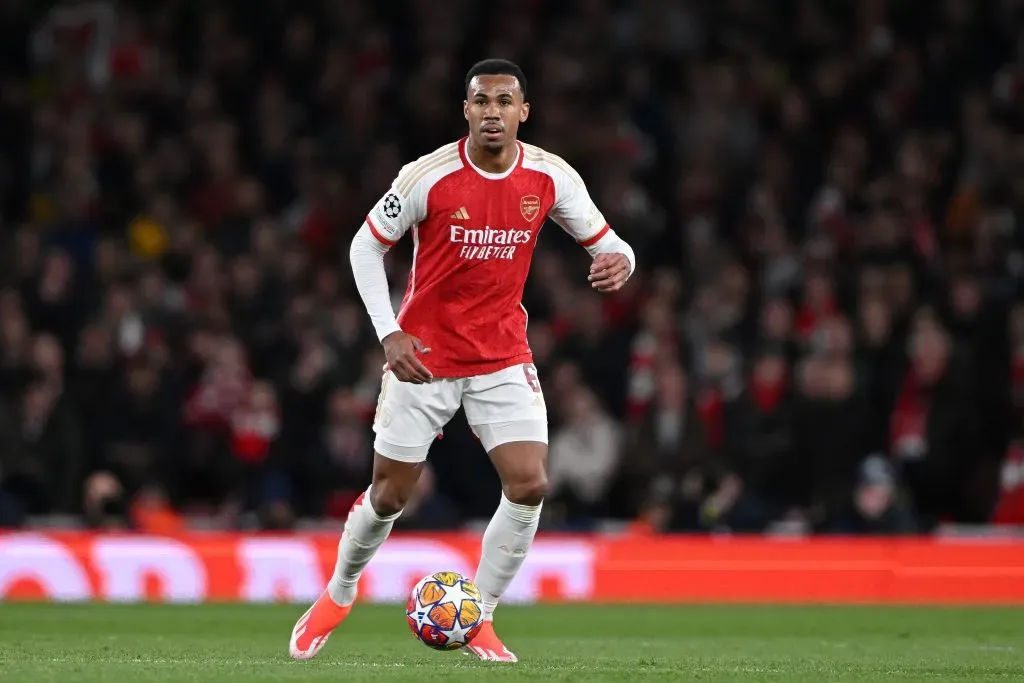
<point x="473" y="239"/>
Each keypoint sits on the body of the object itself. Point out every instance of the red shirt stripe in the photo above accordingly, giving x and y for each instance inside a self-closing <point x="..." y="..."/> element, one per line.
<point x="590" y="241"/>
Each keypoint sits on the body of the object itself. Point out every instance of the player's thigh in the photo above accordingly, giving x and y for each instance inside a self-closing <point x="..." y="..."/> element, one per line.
<point x="521" y="464"/>
<point x="410" y="416"/>
<point x="506" y="411"/>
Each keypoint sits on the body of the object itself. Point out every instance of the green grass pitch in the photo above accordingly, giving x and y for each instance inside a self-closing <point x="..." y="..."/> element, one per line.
<point x="236" y="643"/>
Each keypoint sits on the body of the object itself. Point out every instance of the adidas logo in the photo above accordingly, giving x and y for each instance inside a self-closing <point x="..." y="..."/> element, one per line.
<point x="461" y="214"/>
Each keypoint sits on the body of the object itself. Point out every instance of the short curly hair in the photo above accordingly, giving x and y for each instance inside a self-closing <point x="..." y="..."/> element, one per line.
<point x="495" y="67"/>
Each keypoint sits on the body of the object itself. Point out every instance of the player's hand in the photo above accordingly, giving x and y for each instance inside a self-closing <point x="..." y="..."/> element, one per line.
<point x="609" y="272"/>
<point x="401" y="349"/>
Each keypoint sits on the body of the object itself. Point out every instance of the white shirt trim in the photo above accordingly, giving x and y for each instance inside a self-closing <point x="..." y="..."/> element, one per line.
<point x="492" y="176"/>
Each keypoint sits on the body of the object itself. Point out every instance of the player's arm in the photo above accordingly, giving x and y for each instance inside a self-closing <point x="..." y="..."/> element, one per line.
<point x="389" y="219"/>
<point x="576" y="213"/>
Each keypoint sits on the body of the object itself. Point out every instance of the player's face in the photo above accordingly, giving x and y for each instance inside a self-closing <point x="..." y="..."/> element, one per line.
<point x="494" y="108"/>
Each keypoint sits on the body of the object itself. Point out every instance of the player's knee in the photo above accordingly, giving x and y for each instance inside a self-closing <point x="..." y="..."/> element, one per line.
<point x="387" y="500"/>
<point x="389" y="497"/>
<point x="394" y="482"/>
<point x="529" y="491"/>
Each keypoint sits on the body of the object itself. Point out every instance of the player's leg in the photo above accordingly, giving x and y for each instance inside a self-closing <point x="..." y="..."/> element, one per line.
<point x="368" y="525"/>
<point x="509" y="535"/>
<point x="370" y="520"/>
<point x="406" y="414"/>
<point x="517" y="447"/>
<point x="507" y="539"/>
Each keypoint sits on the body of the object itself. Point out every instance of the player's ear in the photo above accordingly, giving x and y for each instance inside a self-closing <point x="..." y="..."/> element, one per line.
<point x="465" y="109"/>
<point x="524" y="113"/>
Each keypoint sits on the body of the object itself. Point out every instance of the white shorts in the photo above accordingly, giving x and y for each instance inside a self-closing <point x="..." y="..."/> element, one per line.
<point x="501" y="407"/>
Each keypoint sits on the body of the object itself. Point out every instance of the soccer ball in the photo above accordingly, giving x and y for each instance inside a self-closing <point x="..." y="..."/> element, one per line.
<point x="444" y="611"/>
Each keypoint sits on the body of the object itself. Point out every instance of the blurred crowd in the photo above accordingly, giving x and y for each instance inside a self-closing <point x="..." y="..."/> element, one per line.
<point x="826" y="331"/>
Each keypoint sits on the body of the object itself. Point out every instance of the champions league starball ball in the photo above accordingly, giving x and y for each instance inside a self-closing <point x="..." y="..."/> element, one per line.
<point x="444" y="611"/>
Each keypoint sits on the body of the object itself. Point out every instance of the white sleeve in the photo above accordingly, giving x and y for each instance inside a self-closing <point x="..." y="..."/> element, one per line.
<point x="402" y="206"/>
<point x="576" y="213"/>
<point x="367" y="257"/>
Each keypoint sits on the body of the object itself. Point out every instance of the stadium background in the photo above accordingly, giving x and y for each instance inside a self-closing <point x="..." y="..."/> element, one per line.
<point x="825" y="335"/>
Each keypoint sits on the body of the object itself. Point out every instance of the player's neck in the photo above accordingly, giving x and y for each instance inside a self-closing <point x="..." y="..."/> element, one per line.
<point x="497" y="161"/>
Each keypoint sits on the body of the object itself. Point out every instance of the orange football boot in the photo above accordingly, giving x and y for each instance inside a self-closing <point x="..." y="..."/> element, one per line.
<point x="314" y="627"/>
<point x="488" y="647"/>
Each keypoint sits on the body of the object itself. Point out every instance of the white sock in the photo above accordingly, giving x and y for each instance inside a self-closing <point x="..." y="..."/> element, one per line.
<point x="505" y="544"/>
<point x="365" y="531"/>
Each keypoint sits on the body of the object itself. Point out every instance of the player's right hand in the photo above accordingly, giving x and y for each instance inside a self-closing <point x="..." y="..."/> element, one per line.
<point x="401" y="349"/>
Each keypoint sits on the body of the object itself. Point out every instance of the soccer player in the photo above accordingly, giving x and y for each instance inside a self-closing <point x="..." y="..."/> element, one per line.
<point x="474" y="208"/>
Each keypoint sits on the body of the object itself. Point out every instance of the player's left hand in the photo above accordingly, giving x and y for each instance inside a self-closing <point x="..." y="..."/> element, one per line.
<point x="609" y="272"/>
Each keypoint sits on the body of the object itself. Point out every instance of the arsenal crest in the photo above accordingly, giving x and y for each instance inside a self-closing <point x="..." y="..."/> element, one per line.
<point x="529" y="206"/>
